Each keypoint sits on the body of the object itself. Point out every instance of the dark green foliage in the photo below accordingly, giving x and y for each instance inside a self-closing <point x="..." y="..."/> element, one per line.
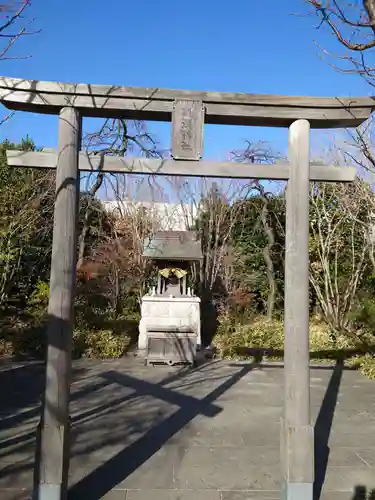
<point x="249" y="239"/>
<point x="26" y="226"/>
<point x="100" y="222"/>
<point x="26" y="197"/>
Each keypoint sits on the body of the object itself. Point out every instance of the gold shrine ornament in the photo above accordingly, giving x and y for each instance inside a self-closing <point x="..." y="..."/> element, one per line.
<point x="168" y="271"/>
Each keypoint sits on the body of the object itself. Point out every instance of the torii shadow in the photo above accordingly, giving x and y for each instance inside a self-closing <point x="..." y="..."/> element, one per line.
<point x="108" y="475"/>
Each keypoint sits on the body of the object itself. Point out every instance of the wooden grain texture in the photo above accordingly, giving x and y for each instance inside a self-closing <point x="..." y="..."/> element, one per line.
<point x="173" y="94"/>
<point x="187" y="129"/>
<point x="204" y="168"/>
<point x="296" y="312"/>
<point x="157" y="104"/>
<point x="55" y="420"/>
<point x="297" y="449"/>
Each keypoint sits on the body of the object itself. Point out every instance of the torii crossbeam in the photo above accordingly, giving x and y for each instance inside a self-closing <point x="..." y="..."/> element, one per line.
<point x="188" y="111"/>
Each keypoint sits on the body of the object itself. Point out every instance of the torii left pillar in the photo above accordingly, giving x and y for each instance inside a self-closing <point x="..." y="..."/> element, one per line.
<point x="52" y="462"/>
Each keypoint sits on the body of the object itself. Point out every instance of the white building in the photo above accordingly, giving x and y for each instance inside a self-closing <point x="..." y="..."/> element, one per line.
<point x="167" y="216"/>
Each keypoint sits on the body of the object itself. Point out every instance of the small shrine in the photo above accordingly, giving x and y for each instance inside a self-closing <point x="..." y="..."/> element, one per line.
<point x="173" y="252"/>
<point x="170" y="312"/>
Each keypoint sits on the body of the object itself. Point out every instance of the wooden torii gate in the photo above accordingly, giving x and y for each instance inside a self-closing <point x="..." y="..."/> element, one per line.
<point x="188" y="111"/>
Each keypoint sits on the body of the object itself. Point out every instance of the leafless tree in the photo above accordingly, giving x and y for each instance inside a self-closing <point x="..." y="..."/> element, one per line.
<point x="353" y="26"/>
<point x="213" y="208"/>
<point x="14" y="24"/>
<point x="222" y="209"/>
<point x="340" y="225"/>
<point x="117" y="263"/>
<point x="114" y="137"/>
<point x="222" y="204"/>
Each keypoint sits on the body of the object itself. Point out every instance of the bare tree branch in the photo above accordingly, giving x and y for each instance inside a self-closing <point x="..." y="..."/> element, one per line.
<point x="13" y="26"/>
<point x="114" y="137"/>
<point x="340" y="224"/>
<point x="353" y="25"/>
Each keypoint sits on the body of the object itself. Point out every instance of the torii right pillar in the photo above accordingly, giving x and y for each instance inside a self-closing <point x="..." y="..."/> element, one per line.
<point x="297" y="433"/>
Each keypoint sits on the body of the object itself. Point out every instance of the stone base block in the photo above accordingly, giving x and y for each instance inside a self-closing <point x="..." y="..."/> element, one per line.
<point x="297" y="453"/>
<point x="297" y="491"/>
<point x="50" y="492"/>
<point x="51" y="467"/>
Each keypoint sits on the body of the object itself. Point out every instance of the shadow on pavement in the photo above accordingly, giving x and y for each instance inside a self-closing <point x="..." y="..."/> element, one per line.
<point x="323" y="426"/>
<point x="362" y="493"/>
<point x="108" y="475"/>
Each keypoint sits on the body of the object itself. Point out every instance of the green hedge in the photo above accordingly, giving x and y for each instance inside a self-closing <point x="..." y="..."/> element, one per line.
<point x="263" y="339"/>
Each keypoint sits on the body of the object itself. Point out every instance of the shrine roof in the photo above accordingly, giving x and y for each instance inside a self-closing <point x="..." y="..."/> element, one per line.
<point x="173" y="245"/>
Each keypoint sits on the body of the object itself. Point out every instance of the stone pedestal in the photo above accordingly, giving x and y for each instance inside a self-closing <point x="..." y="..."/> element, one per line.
<point x="168" y="311"/>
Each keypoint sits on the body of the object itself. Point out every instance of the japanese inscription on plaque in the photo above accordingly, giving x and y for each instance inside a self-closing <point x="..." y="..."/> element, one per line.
<point x="187" y="129"/>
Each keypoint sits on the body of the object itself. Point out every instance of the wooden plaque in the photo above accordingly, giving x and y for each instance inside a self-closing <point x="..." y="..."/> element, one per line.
<point x="187" y="129"/>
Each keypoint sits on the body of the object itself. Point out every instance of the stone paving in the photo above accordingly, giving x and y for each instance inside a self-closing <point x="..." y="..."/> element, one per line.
<point x="211" y="433"/>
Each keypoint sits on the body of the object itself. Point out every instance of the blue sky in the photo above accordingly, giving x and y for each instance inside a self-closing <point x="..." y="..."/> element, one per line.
<point x="242" y="45"/>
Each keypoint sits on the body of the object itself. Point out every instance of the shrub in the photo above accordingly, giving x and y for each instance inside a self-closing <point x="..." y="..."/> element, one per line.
<point x="25" y="341"/>
<point x="364" y="321"/>
<point x="266" y="338"/>
<point x="29" y="341"/>
<point x="79" y="344"/>
<point x="100" y="344"/>
<point x="6" y="348"/>
<point x="240" y="341"/>
<point x="367" y="365"/>
<point x="364" y="363"/>
<point x="37" y="302"/>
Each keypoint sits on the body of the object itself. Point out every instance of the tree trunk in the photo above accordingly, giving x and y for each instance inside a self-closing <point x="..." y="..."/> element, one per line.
<point x="267" y="255"/>
<point x="86" y="220"/>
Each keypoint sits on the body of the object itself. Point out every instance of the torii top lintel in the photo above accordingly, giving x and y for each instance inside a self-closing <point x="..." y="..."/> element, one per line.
<point x="157" y="104"/>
